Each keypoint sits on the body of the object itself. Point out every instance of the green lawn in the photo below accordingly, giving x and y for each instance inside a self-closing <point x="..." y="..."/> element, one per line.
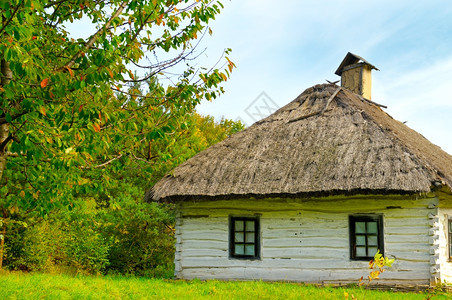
<point x="45" y="286"/>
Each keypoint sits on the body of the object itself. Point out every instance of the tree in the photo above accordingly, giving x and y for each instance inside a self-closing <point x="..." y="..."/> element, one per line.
<point x="72" y="108"/>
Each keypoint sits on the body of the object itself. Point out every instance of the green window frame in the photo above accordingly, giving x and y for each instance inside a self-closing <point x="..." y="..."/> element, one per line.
<point x="366" y="236"/>
<point x="244" y="237"/>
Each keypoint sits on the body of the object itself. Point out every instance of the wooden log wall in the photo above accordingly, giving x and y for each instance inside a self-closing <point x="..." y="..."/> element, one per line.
<point x="305" y="240"/>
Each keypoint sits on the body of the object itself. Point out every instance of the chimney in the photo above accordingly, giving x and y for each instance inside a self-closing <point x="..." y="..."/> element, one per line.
<point x="355" y="74"/>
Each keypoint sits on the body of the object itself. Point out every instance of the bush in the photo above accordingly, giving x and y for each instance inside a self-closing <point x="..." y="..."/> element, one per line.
<point x="142" y="239"/>
<point x="126" y="237"/>
<point x="66" y="242"/>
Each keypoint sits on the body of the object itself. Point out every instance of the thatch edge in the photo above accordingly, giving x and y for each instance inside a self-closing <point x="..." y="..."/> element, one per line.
<point x="303" y="195"/>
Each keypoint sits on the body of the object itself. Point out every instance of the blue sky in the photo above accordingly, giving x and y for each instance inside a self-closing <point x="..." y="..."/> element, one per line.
<point x="283" y="49"/>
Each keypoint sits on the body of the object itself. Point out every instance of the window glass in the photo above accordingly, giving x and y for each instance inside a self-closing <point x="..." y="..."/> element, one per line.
<point x="372" y="240"/>
<point x="371" y="227"/>
<point x="238" y="237"/>
<point x="372" y="251"/>
<point x="249" y="237"/>
<point x="360" y="227"/>
<point x="249" y="225"/>
<point x="366" y="236"/>
<point x="361" y="251"/>
<point x="239" y="249"/>
<point x="360" y="240"/>
<point x="249" y="250"/>
<point x="244" y="237"/>
<point x="239" y="225"/>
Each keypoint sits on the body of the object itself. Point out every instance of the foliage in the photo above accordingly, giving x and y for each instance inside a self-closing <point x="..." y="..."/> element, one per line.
<point x="141" y="238"/>
<point x="376" y="266"/>
<point x="62" y="242"/>
<point x="24" y="286"/>
<point x="114" y="233"/>
<point x="77" y="114"/>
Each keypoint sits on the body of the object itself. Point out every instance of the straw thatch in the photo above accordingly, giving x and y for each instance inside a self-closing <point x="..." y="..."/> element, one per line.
<point x="327" y="141"/>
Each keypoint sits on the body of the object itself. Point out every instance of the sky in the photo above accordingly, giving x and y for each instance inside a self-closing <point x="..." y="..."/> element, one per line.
<point x="282" y="49"/>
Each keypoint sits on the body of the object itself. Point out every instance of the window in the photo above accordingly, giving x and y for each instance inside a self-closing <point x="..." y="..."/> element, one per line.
<point x="244" y="237"/>
<point x="366" y="236"/>
<point x="449" y="231"/>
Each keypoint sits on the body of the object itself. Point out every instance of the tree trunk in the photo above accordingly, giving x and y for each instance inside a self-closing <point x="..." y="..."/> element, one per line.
<point x="2" y="238"/>
<point x="5" y="77"/>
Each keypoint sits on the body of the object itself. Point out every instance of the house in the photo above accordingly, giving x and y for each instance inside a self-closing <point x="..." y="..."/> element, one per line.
<point x="312" y="191"/>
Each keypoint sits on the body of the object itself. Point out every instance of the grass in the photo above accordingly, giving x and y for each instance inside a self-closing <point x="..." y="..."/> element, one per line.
<point x="46" y="286"/>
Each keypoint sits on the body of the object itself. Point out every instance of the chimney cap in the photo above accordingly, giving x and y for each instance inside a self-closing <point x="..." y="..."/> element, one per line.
<point x="351" y="59"/>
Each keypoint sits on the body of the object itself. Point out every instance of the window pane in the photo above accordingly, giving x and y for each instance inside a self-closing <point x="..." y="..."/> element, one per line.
<point x="372" y="240"/>
<point x="238" y="237"/>
<point x="360" y="227"/>
<point x="371" y="227"/>
<point x="239" y="249"/>
<point x="361" y="251"/>
<point x="250" y="237"/>
<point x="249" y="250"/>
<point x="361" y="240"/>
<point x="249" y="225"/>
<point x="372" y="251"/>
<point x="239" y="225"/>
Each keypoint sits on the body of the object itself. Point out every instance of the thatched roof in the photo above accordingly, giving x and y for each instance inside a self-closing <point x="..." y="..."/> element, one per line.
<point x="327" y="141"/>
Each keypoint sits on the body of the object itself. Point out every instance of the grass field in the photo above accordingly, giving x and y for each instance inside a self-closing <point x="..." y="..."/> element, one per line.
<point x="46" y="286"/>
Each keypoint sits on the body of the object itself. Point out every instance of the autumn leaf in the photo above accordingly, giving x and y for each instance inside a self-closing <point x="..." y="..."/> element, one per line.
<point x="96" y="127"/>
<point x="223" y="76"/>
<point x="70" y="71"/>
<point x="22" y="193"/>
<point x="231" y="65"/>
<point x="131" y="74"/>
<point x="159" y="19"/>
<point x="80" y="108"/>
<point x="110" y="72"/>
<point x="44" y="82"/>
<point x="42" y="110"/>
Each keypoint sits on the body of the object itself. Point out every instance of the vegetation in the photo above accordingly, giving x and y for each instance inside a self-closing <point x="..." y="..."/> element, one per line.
<point x="114" y="234"/>
<point x="44" y="286"/>
<point x="88" y="124"/>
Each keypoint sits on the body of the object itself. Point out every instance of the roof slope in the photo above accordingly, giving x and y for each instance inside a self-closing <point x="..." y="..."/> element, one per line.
<point x="327" y="141"/>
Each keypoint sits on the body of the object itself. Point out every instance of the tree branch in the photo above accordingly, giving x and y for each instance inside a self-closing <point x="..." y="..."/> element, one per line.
<point x="9" y="20"/>
<point x="94" y="38"/>
<point x="105" y="163"/>
<point x="4" y="121"/>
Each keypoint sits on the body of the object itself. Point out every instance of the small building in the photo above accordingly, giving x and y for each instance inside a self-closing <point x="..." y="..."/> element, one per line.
<point x="311" y="192"/>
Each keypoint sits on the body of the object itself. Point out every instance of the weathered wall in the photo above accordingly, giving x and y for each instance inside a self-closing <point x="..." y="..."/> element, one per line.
<point x="304" y="240"/>
<point x="441" y="247"/>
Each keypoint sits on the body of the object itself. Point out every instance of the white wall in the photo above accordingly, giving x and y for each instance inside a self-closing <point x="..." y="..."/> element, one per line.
<point x="305" y="240"/>
<point x="444" y="212"/>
